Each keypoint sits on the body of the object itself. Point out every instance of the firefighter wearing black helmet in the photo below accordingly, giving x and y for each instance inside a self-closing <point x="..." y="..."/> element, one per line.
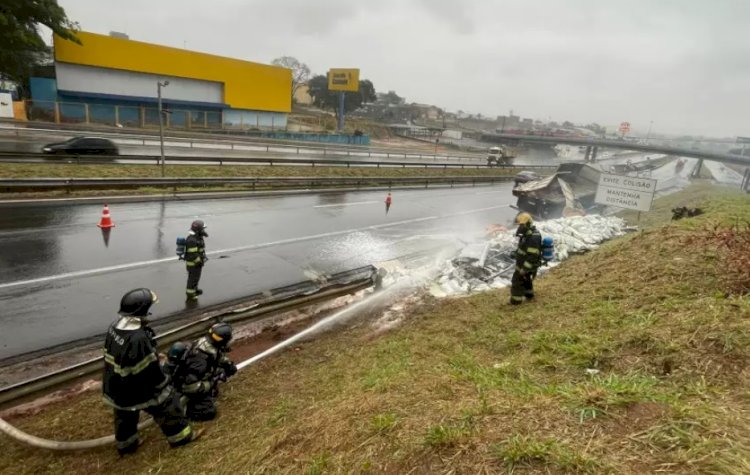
<point x="195" y="257"/>
<point x="528" y="260"/>
<point x="133" y="380"/>
<point x="205" y="365"/>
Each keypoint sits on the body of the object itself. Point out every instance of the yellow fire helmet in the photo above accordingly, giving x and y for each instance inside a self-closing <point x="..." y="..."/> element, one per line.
<point x="523" y="218"/>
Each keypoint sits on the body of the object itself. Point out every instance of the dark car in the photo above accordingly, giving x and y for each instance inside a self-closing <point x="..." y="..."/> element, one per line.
<point x="82" y="146"/>
<point x="525" y="176"/>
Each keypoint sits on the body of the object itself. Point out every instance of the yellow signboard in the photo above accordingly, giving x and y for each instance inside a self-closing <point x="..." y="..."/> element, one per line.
<point x="343" y="80"/>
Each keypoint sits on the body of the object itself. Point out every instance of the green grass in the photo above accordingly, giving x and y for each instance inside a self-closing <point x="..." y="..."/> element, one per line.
<point x="633" y="359"/>
<point x="526" y="451"/>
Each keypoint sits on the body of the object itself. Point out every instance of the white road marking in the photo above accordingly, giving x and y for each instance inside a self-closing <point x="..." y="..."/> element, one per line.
<point x="133" y="265"/>
<point x="346" y="204"/>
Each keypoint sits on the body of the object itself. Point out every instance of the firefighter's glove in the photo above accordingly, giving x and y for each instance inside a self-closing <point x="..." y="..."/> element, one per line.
<point x="230" y="369"/>
<point x="220" y="375"/>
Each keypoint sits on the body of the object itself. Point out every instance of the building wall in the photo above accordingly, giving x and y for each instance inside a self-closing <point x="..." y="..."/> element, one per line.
<point x="246" y="85"/>
<point x="251" y="119"/>
<point x="86" y="80"/>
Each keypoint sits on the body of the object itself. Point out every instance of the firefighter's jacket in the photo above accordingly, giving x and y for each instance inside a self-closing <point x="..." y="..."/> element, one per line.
<point x="195" y="250"/>
<point x="133" y="378"/>
<point x="529" y="252"/>
<point x="201" y="366"/>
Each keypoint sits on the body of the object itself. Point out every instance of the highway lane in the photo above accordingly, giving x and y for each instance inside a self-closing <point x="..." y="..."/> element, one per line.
<point x="149" y="145"/>
<point x="130" y="146"/>
<point x="62" y="281"/>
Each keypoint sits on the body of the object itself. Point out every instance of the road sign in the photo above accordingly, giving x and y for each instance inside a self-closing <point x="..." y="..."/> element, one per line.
<point x="343" y="80"/>
<point x="625" y="191"/>
<point x="624" y="127"/>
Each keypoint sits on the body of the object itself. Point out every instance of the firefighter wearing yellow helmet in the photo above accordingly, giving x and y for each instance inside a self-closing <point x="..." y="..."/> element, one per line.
<point x="528" y="260"/>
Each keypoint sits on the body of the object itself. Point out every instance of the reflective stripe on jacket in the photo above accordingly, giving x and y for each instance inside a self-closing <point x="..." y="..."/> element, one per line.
<point x="133" y="378"/>
<point x="195" y="250"/>
<point x="529" y="252"/>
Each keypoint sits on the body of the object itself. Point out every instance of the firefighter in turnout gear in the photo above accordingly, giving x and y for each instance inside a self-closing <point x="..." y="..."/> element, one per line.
<point x="133" y="380"/>
<point x="195" y="258"/>
<point x="205" y="365"/>
<point x="528" y="259"/>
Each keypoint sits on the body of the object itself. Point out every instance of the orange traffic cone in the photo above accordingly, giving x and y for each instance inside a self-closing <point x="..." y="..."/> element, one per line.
<point x="106" y="221"/>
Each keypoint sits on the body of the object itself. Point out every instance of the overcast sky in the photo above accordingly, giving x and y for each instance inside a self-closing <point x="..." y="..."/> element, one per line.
<point x="683" y="64"/>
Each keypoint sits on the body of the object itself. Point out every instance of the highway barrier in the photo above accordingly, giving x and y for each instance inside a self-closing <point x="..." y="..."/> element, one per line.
<point x="252" y="308"/>
<point x="253" y="183"/>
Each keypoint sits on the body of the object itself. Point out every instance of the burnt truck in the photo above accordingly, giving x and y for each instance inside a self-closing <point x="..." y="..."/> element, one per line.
<point x="500" y="155"/>
<point x="569" y="191"/>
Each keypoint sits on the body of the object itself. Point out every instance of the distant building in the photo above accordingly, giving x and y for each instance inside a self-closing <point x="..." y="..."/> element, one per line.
<point x="112" y="79"/>
<point x="426" y="111"/>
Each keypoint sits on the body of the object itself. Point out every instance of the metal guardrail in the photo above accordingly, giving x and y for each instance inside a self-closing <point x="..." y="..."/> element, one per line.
<point x="107" y="159"/>
<point x="11" y="184"/>
<point x="220" y="141"/>
<point x="253" y="307"/>
<point x="15" y="157"/>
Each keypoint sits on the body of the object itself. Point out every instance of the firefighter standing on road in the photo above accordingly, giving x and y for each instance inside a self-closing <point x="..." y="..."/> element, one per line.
<point x="195" y="258"/>
<point x="133" y="380"/>
<point x="203" y="367"/>
<point x="528" y="260"/>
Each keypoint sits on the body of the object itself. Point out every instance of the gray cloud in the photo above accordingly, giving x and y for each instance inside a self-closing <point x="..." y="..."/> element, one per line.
<point x="683" y="64"/>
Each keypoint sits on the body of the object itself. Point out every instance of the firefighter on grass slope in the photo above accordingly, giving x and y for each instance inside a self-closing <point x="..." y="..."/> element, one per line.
<point x="203" y="366"/>
<point x="133" y="380"/>
<point x="528" y="260"/>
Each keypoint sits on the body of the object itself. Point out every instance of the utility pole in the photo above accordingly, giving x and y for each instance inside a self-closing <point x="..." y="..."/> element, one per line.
<point x="648" y="135"/>
<point x="160" y="85"/>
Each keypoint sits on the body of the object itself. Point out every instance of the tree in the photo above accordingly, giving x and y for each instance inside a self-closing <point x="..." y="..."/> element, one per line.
<point x="367" y="91"/>
<point x="21" y="45"/>
<point x="325" y="99"/>
<point x="300" y="71"/>
<point x="392" y="98"/>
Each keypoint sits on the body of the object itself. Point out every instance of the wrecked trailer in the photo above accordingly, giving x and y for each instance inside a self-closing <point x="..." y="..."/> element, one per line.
<point x="569" y="191"/>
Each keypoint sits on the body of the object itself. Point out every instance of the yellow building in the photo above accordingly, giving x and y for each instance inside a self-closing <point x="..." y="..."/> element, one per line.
<point x="106" y="71"/>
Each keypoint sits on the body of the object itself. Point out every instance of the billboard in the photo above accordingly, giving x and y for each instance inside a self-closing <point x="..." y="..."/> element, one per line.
<point x="625" y="191"/>
<point x="343" y="80"/>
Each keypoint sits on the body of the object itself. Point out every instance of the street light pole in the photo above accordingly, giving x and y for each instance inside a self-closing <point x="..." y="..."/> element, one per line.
<point x="159" y="85"/>
<point x="648" y="135"/>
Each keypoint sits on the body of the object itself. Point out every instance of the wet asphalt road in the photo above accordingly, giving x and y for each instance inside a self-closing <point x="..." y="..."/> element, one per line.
<point x="62" y="281"/>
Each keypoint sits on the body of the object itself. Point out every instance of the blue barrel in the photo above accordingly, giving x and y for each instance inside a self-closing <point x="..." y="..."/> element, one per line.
<point x="548" y="249"/>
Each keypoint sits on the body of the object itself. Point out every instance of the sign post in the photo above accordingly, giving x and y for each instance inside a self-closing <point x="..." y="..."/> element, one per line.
<point x="343" y="81"/>
<point x="342" y="98"/>
<point x="625" y="191"/>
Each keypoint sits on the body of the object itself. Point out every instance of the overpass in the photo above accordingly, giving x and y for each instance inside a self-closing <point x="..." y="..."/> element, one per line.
<point x="594" y="143"/>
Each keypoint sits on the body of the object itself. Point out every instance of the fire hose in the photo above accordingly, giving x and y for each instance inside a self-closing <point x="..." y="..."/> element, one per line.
<point x="42" y="443"/>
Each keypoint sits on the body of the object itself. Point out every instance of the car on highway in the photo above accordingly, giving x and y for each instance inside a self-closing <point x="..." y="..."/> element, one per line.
<point x="525" y="177"/>
<point x="82" y="146"/>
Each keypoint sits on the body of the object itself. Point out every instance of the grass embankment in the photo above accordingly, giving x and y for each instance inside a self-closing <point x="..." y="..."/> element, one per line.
<point x="60" y="170"/>
<point x="634" y="359"/>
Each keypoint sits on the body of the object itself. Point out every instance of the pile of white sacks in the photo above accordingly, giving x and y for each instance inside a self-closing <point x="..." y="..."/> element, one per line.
<point x="489" y="264"/>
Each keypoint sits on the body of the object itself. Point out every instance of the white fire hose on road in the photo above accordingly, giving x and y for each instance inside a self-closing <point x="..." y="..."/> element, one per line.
<point x="41" y="443"/>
